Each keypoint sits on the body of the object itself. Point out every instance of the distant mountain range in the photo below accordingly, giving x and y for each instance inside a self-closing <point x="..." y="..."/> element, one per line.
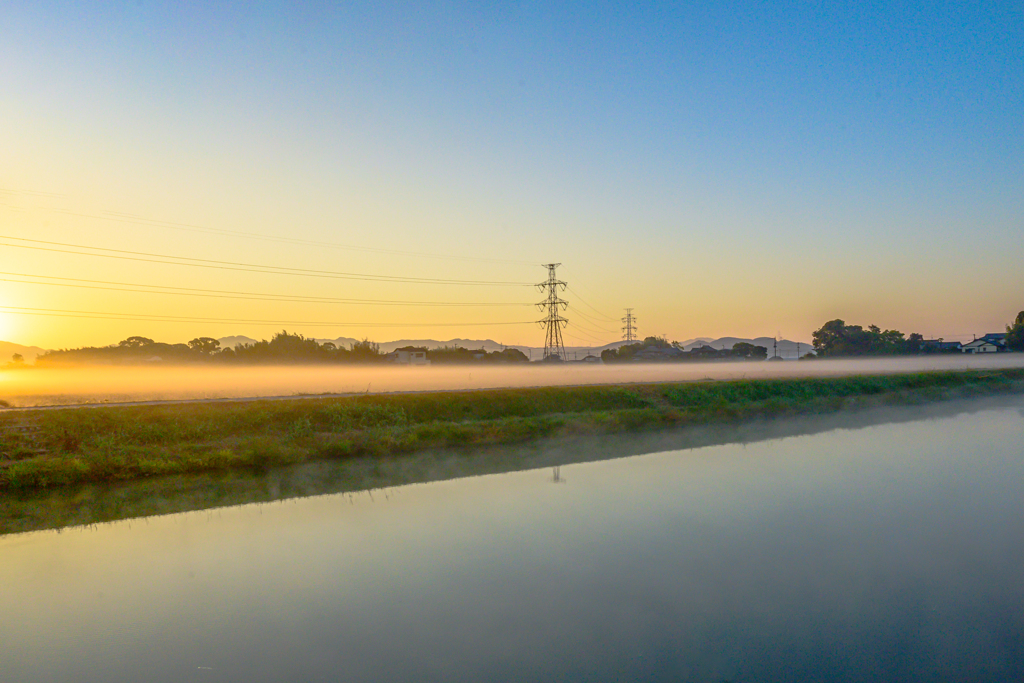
<point x="8" y="349"/>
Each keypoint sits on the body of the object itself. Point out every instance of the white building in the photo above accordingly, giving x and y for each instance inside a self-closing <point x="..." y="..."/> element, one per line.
<point x="409" y="355"/>
<point x="982" y="346"/>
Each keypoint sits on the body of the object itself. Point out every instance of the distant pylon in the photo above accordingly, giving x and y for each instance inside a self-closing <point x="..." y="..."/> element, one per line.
<point x="629" y="331"/>
<point x="554" y="349"/>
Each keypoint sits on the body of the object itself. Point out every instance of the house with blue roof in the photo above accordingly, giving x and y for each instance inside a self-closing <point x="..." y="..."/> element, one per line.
<point x="993" y="342"/>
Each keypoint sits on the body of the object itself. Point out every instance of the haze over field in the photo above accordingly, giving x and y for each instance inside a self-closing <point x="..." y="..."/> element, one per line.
<point x="94" y="385"/>
<point x="400" y="171"/>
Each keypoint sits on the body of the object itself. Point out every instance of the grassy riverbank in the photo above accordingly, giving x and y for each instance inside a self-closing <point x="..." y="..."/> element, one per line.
<point x="54" y="448"/>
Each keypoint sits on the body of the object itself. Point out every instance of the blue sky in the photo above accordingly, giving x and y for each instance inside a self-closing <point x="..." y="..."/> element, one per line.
<point x="795" y="162"/>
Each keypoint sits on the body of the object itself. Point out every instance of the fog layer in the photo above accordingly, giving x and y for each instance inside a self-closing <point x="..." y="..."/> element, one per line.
<point x="116" y="384"/>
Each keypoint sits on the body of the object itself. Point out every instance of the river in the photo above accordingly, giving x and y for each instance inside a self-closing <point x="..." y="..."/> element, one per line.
<point x="887" y="551"/>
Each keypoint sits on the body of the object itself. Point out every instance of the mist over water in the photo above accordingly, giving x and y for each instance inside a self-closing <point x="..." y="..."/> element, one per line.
<point x="115" y="384"/>
<point x="884" y="553"/>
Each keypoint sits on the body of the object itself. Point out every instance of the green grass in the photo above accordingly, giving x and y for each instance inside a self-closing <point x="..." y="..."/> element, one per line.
<point x="56" y="448"/>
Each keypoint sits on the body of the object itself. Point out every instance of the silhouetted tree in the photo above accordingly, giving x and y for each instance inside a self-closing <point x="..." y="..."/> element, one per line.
<point x="622" y="354"/>
<point x="1015" y="334"/>
<point x="204" y="345"/>
<point x="365" y="351"/>
<point x="627" y="352"/>
<point x="656" y="342"/>
<point x="748" y="350"/>
<point x="914" y="342"/>
<point x="136" y="342"/>
<point x="292" y="346"/>
<point x="836" y="338"/>
<point x="510" y="356"/>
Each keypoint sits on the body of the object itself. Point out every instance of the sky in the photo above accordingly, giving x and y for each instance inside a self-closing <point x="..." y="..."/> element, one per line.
<point x="735" y="168"/>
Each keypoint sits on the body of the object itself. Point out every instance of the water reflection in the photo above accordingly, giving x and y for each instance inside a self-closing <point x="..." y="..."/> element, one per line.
<point x="96" y="504"/>
<point x="887" y="553"/>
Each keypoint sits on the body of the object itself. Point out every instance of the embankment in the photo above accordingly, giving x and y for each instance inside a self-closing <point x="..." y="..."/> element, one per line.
<point x="57" y="448"/>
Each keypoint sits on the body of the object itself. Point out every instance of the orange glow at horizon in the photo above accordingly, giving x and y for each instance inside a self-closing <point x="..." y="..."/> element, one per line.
<point x="741" y="296"/>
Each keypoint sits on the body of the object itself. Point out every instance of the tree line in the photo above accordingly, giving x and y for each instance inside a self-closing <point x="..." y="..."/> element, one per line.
<point x="659" y="349"/>
<point x="833" y="339"/>
<point x="456" y="355"/>
<point x="837" y="339"/>
<point x="283" y="347"/>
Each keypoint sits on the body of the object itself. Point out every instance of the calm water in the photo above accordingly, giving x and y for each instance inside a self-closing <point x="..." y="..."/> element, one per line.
<point x="888" y="553"/>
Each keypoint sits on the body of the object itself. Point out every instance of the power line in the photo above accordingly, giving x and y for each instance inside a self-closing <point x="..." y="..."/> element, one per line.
<point x="589" y="343"/>
<point x="590" y="339"/>
<point x="118" y="217"/>
<point x="100" y="315"/>
<point x="596" y="323"/>
<point x="35" y="193"/>
<point x="580" y="326"/>
<point x="587" y="304"/>
<point x="585" y="331"/>
<point x="228" y="294"/>
<point x="247" y="267"/>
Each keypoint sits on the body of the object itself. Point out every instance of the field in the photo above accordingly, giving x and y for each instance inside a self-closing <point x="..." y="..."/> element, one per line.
<point x="41" y="449"/>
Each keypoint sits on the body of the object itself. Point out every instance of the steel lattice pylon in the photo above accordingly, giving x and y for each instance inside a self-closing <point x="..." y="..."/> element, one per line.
<point x="629" y="331"/>
<point x="554" y="349"/>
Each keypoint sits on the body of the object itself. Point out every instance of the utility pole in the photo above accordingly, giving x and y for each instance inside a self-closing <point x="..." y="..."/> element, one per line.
<point x="553" y="322"/>
<point x="629" y="331"/>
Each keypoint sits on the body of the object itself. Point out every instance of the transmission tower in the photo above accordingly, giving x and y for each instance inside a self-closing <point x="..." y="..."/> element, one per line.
<point x="629" y="331"/>
<point x="554" y="349"/>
